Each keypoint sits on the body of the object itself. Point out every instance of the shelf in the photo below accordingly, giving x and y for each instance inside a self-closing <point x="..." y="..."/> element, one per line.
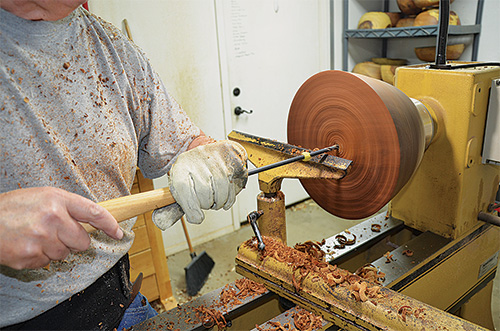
<point x="411" y="32"/>
<point x="408" y="32"/>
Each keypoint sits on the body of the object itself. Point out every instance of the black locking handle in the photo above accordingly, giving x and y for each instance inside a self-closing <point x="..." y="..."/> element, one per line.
<point x="238" y="111"/>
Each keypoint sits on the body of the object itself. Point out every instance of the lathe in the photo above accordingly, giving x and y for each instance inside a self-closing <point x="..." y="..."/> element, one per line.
<point x="421" y="147"/>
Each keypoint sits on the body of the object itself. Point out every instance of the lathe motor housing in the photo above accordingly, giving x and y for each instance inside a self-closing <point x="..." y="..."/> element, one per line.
<point x="451" y="185"/>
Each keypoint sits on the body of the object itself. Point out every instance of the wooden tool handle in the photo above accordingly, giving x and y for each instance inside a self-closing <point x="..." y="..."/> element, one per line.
<point x="191" y="250"/>
<point x="129" y="206"/>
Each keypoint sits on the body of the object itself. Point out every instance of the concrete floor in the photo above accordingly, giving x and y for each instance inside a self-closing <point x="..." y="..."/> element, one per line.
<point x="305" y="221"/>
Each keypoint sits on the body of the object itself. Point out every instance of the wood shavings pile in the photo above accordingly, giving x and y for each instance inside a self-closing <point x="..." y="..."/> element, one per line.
<point x="228" y="298"/>
<point x="310" y="262"/>
<point x="312" y="248"/>
<point x="303" y="320"/>
<point x="210" y="317"/>
<point x="213" y="315"/>
<point x="248" y="288"/>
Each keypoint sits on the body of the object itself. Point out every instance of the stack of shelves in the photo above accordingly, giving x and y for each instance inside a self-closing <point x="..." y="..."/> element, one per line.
<point x="407" y="32"/>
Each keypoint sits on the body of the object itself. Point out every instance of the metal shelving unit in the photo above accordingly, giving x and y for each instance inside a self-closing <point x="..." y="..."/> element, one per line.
<point x="413" y="31"/>
<point x="408" y="32"/>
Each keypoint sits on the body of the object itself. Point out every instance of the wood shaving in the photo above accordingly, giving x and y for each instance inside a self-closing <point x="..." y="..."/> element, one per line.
<point x="343" y="241"/>
<point x="370" y="272"/>
<point x="408" y="252"/>
<point x="389" y="257"/>
<point x="403" y="311"/>
<point x="210" y="317"/>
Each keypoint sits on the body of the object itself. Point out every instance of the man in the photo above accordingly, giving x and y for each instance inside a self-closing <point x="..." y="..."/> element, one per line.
<point x="80" y="108"/>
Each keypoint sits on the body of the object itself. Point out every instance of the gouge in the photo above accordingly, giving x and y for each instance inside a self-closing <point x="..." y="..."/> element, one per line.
<point x="129" y="206"/>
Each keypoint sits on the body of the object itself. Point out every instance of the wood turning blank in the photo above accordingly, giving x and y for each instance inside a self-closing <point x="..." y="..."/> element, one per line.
<point x="375" y="125"/>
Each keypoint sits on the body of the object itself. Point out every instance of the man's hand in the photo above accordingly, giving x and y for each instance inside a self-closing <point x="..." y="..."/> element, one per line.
<point x="38" y="225"/>
<point x="208" y="177"/>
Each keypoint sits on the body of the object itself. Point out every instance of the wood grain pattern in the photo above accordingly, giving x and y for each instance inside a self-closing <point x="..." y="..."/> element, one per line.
<point x="129" y="206"/>
<point x="375" y="125"/>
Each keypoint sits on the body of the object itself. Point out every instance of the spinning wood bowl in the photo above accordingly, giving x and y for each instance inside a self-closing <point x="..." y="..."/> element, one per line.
<point x="375" y="125"/>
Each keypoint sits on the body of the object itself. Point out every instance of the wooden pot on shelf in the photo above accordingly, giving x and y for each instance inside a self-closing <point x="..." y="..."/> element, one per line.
<point x="389" y="61"/>
<point x="374" y="20"/>
<point x="395" y="17"/>
<point x="428" y="54"/>
<point x="405" y="22"/>
<point x="388" y="72"/>
<point x="431" y="17"/>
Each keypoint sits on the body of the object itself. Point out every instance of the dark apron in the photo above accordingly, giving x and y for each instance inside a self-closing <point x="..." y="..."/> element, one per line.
<point x="99" y="307"/>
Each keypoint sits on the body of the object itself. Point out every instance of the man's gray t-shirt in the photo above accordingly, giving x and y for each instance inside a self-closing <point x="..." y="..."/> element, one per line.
<point x="80" y="108"/>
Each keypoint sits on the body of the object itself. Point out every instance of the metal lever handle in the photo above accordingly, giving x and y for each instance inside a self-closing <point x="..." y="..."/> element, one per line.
<point x="238" y="111"/>
<point x="252" y="219"/>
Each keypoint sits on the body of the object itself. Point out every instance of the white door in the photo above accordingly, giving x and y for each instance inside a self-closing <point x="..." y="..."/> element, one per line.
<point x="268" y="49"/>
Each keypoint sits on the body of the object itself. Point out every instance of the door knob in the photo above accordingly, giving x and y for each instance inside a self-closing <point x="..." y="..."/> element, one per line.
<point x="238" y="111"/>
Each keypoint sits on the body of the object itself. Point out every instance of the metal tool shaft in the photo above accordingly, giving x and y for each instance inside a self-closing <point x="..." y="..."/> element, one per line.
<point x="291" y="160"/>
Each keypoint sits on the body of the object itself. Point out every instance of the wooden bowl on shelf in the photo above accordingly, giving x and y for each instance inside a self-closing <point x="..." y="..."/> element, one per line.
<point x="431" y="17"/>
<point x="428" y="54"/>
<point x="405" y="22"/>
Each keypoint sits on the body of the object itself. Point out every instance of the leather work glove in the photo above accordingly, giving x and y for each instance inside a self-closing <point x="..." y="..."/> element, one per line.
<point x="206" y="177"/>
